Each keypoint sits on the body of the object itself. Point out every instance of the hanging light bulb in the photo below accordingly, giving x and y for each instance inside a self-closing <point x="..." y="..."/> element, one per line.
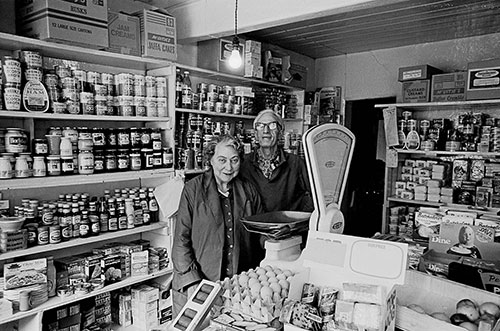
<point x="235" y="58"/>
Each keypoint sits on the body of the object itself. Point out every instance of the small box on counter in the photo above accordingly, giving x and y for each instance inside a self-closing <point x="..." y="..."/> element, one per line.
<point x="25" y="273"/>
<point x="331" y="259"/>
<point x="75" y="22"/>
<point x="124" y="33"/>
<point x="483" y="80"/>
<point x="418" y="72"/>
<point x="416" y="91"/>
<point x="449" y="87"/>
<point x="158" y="34"/>
<point x="139" y="263"/>
<point x="111" y="268"/>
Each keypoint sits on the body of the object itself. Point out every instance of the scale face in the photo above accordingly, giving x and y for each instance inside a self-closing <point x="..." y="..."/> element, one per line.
<point x="328" y="150"/>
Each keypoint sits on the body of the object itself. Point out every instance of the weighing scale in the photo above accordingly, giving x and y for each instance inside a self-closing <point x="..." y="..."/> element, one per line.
<point x="328" y="152"/>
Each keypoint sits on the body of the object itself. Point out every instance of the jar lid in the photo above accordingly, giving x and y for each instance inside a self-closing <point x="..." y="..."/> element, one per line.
<point x="67" y="158"/>
<point x="53" y="157"/>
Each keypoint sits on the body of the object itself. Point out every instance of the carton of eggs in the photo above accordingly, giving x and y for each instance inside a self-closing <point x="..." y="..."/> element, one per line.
<point x="257" y="293"/>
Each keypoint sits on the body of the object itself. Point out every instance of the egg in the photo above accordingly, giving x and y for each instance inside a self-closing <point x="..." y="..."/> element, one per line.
<point x="441" y="316"/>
<point x="266" y="293"/>
<point x="275" y="287"/>
<point x="417" y="308"/>
<point x="284" y="284"/>
<point x="466" y="302"/>
<point x="255" y="290"/>
<point x="289" y="279"/>
<point x="252" y="281"/>
<point x="276" y="297"/>
<point x="262" y="278"/>
<point x="287" y="273"/>
<point x="281" y="276"/>
<point x="270" y="274"/>
<point x="284" y="293"/>
<point x="268" y="268"/>
<point x="243" y="280"/>
<point x="264" y="283"/>
<point x="272" y="280"/>
<point x="260" y="271"/>
<point x="278" y="271"/>
<point x="253" y="275"/>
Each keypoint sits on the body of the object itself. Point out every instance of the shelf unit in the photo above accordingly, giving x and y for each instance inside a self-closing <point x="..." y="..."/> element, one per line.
<point x="431" y="110"/>
<point x="45" y="188"/>
<point x="214" y="114"/>
<point x="81" y="241"/>
<point x="56" y="302"/>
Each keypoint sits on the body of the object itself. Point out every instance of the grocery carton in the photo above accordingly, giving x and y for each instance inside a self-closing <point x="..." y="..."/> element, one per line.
<point x="214" y="55"/>
<point x="362" y="267"/>
<point x="449" y="87"/>
<point x="418" y="72"/>
<point x="483" y="80"/>
<point x="416" y="91"/>
<point x="124" y="33"/>
<point x="158" y="34"/>
<point x="75" y="22"/>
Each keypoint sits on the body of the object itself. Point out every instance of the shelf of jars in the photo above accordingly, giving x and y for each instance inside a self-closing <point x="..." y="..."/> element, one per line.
<point x="56" y="302"/>
<point x="214" y="114"/>
<point x="80" y="117"/>
<point x="232" y="79"/>
<point x="434" y="153"/>
<point x="81" y="241"/>
<point x="107" y="177"/>
<point x="472" y="105"/>
<point x="13" y="42"/>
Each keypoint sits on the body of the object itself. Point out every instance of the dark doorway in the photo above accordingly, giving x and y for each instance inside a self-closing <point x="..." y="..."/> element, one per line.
<point x="364" y="196"/>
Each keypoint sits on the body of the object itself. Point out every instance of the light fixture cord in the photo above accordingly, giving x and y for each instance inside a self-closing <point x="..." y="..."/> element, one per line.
<point x="236" y="19"/>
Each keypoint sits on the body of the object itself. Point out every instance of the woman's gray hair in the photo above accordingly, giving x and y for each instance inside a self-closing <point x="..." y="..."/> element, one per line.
<point x="226" y="139"/>
<point x="276" y="117"/>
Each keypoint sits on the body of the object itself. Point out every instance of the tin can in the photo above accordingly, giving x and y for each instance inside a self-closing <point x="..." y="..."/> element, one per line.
<point x="63" y="71"/>
<point x="68" y="82"/>
<point x="125" y="107"/>
<point x="108" y="80"/>
<point x="219" y="107"/>
<point x="150" y="82"/>
<point x="54" y="234"/>
<point x="237" y="109"/>
<point x="228" y="108"/>
<point x="12" y="96"/>
<point x="51" y="80"/>
<point x="140" y="106"/>
<point x="43" y="235"/>
<point x="161" y="87"/>
<point x="202" y="87"/>
<point x="31" y="58"/>
<point x="125" y="84"/>
<point x="147" y="158"/>
<point x="161" y="106"/>
<point x="87" y="103"/>
<point x="309" y="294"/>
<point x="139" y="86"/>
<point x="209" y="106"/>
<point x="151" y="107"/>
<point x="11" y="70"/>
<point x="135" y="160"/>
<point x="223" y="97"/>
<point x="80" y="79"/>
<point x="93" y="78"/>
<point x="33" y="73"/>
<point x="212" y="96"/>
<point x="228" y="90"/>
<point x="100" y="90"/>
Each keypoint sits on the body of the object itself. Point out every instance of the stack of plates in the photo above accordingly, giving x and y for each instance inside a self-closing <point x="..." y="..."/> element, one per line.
<point x="278" y="224"/>
<point x="38" y="295"/>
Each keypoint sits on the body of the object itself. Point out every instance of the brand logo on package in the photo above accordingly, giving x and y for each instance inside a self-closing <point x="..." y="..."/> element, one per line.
<point x="84" y="2"/>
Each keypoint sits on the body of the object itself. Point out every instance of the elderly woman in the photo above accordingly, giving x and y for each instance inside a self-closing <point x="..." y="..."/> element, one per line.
<point x="281" y="178"/>
<point x="210" y="241"/>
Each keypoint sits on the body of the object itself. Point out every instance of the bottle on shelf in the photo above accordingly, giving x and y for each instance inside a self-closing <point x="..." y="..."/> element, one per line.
<point x="138" y="216"/>
<point x="122" y="218"/>
<point x="76" y="219"/>
<point x="153" y="206"/>
<point x="178" y="88"/>
<point x="85" y="225"/>
<point x="95" y="225"/>
<point x="186" y="91"/>
<point x="103" y="214"/>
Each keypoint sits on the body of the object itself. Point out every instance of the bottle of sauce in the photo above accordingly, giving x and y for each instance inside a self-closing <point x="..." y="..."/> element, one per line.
<point x="76" y="219"/>
<point x="122" y="218"/>
<point x="153" y="206"/>
<point x="113" y="219"/>
<point x="85" y="225"/>
<point x="95" y="225"/>
<point x="103" y="215"/>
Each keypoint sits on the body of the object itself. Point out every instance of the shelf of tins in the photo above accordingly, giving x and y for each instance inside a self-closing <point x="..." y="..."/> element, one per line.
<point x="13" y="42"/>
<point x="471" y="105"/>
<point x="79" y="117"/>
<point x="214" y="114"/>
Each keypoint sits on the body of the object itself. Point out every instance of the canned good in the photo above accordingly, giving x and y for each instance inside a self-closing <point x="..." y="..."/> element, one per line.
<point x="111" y="139"/>
<point x="100" y="90"/>
<point x="54" y="234"/>
<point x="125" y="84"/>
<point x="12" y="96"/>
<point x="157" y="159"/>
<point x="5" y="168"/>
<point x="219" y="107"/>
<point x="122" y="159"/>
<point x="147" y="158"/>
<point x="59" y="107"/>
<point x="151" y="107"/>
<point x="135" y="137"/>
<point x="161" y="107"/>
<point x="140" y="106"/>
<point x="15" y="141"/>
<point x="11" y="70"/>
<point x="108" y="80"/>
<point x="110" y="160"/>
<point x="51" y="80"/>
<point x="168" y="157"/>
<point x="54" y="165"/>
<point x="161" y="87"/>
<point x="85" y="162"/>
<point x="237" y="109"/>
<point x="33" y="73"/>
<point x="125" y="106"/>
<point x="98" y="161"/>
<point x="139" y="85"/>
<point x="63" y="71"/>
<point x="135" y="160"/>
<point x="93" y="78"/>
<point x="123" y="138"/>
<point x="228" y="90"/>
<point x="43" y="235"/>
<point x="87" y="103"/>
<point x="98" y="138"/>
<point x="202" y="87"/>
<point x="31" y="58"/>
<point x="151" y="86"/>
<point x="39" y="166"/>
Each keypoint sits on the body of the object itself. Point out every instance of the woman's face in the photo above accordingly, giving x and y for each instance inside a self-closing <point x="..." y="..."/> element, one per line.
<point x="267" y="137"/>
<point x="468" y="236"/>
<point x="225" y="162"/>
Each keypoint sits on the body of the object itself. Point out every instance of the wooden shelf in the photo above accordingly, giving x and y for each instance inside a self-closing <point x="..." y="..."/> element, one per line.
<point x="56" y="302"/>
<point x="448" y="153"/>
<point x="214" y="114"/>
<point x="55" y="181"/>
<point x="475" y="105"/>
<point x="88" y="55"/>
<point x="77" y="117"/>
<point x="233" y="79"/>
<point x="416" y="202"/>
<point x="81" y="241"/>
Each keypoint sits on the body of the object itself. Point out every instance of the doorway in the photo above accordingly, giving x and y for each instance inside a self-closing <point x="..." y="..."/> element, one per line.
<point x="364" y="196"/>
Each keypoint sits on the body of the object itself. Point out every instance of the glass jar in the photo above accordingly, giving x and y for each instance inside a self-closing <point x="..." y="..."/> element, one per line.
<point x="168" y="157"/>
<point x="147" y="158"/>
<point x="71" y="133"/>
<point x="54" y="165"/>
<point x="123" y="161"/>
<point x="84" y="133"/>
<point x="146" y="138"/>
<point x="110" y="160"/>
<point x="40" y="147"/>
<point x="39" y="167"/>
<point x="67" y="165"/>
<point x="123" y="138"/>
<point x="65" y="147"/>
<point x="98" y="138"/>
<point x="111" y="139"/>
<point x="135" y="138"/>
<point x="15" y="141"/>
<point x="5" y="168"/>
<point x="98" y="161"/>
<point x="135" y="159"/>
<point x="85" y="162"/>
<point x="156" y="139"/>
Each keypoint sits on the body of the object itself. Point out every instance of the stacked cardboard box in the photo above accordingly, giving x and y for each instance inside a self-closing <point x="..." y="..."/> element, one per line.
<point x="145" y="306"/>
<point x="416" y="82"/>
<point x="253" y="58"/>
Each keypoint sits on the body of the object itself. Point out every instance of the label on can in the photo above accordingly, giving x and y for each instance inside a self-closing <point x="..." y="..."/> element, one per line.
<point x="35" y="97"/>
<point x="43" y="235"/>
<point x="11" y="70"/>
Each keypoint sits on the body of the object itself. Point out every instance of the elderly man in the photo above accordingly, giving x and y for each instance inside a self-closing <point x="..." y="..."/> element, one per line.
<point x="280" y="178"/>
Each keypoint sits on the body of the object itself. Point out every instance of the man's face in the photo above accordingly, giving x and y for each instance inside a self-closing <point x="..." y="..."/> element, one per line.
<point x="225" y="163"/>
<point x="468" y="236"/>
<point x="266" y="136"/>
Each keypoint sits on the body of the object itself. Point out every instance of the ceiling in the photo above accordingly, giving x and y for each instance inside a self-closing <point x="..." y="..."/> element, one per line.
<point x="387" y="25"/>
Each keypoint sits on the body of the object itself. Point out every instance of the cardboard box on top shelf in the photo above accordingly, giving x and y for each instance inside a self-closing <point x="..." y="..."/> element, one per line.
<point x="483" y="80"/>
<point x="416" y="91"/>
<point x="124" y="33"/>
<point x="449" y="87"/>
<point x="214" y="55"/>
<point x="8" y="21"/>
<point x="72" y="22"/>
<point x="353" y="265"/>
<point x="158" y="34"/>
<point x="418" y="72"/>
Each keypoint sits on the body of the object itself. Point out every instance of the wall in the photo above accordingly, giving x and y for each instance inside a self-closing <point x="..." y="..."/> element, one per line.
<point x="374" y="74"/>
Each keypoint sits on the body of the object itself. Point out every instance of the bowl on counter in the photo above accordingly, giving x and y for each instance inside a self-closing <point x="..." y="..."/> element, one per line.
<point x="11" y="224"/>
